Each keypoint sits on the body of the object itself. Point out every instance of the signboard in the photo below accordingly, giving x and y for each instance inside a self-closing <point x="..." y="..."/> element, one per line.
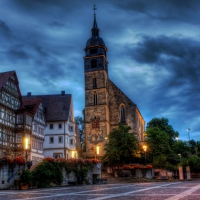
<point x="98" y="165"/>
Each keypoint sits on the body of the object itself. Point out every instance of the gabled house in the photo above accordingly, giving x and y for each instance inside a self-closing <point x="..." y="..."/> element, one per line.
<point x="60" y="132"/>
<point x="38" y="126"/>
<point x="15" y="119"/>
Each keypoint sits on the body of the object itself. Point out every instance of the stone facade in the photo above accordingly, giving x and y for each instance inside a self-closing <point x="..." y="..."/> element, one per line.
<point x="105" y="104"/>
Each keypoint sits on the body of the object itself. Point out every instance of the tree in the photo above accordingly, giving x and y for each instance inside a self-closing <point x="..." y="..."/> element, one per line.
<point x="121" y="145"/>
<point x="163" y="125"/>
<point x="158" y="141"/>
<point x="79" y="120"/>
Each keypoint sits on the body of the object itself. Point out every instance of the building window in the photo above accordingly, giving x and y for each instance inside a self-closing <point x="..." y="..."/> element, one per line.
<point x="39" y="146"/>
<point x="93" y="51"/>
<point x="28" y="120"/>
<point x="51" y="140"/>
<point x="95" y="98"/>
<point x="60" y="139"/>
<point x="18" y="138"/>
<point x="71" y="141"/>
<point x="70" y="128"/>
<point x="57" y="155"/>
<point x="50" y="126"/>
<point x="59" y="126"/>
<point x="93" y="63"/>
<point x="19" y="119"/>
<point x="94" y="82"/>
<point x="122" y="113"/>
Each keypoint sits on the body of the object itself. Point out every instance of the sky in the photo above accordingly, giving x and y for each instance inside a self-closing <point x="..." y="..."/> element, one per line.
<point x="153" y="52"/>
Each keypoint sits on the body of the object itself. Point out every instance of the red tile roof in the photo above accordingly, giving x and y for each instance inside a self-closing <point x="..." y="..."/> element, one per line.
<point x="56" y="107"/>
<point x="4" y="77"/>
<point x="32" y="104"/>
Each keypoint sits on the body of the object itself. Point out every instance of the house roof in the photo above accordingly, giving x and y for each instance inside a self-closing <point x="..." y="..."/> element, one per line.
<point x="32" y="104"/>
<point x="56" y="107"/>
<point x="4" y="76"/>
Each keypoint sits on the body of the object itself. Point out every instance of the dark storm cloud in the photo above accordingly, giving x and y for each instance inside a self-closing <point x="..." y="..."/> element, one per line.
<point x="5" y="30"/>
<point x="149" y="43"/>
<point x="165" y="10"/>
<point x="179" y="55"/>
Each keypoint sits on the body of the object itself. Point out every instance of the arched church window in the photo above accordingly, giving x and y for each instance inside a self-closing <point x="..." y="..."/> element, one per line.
<point x="122" y="114"/>
<point x="94" y="82"/>
<point x="95" y="98"/>
<point x="93" y="63"/>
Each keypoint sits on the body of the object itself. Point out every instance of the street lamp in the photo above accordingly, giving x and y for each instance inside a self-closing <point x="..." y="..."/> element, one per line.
<point x="188" y="130"/>
<point x="176" y="139"/>
<point x="180" y="156"/>
<point x="97" y="151"/>
<point x="145" y="149"/>
<point x="26" y="151"/>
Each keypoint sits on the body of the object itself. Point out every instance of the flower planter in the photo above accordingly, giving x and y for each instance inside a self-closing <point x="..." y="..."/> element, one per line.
<point x="24" y="187"/>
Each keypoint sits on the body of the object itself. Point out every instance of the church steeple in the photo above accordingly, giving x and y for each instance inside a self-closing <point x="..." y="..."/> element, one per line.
<point x="95" y="29"/>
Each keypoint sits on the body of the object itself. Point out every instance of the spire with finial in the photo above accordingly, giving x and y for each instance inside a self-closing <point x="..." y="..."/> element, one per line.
<point x="95" y="30"/>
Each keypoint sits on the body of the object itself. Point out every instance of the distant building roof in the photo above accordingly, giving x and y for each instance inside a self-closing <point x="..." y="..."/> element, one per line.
<point x="56" y="107"/>
<point x="32" y="104"/>
<point x="4" y="77"/>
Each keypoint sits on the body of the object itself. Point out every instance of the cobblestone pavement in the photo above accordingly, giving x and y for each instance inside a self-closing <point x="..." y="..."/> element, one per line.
<point x="188" y="190"/>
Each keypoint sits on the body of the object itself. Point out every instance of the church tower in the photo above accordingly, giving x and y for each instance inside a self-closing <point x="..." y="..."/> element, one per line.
<point x="96" y="114"/>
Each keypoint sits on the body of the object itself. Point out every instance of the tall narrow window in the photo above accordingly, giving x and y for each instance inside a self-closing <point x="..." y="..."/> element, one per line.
<point x="122" y="114"/>
<point x="95" y="98"/>
<point x="93" y="63"/>
<point x="94" y="82"/>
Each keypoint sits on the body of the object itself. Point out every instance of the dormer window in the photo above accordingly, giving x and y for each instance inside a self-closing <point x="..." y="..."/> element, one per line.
<point x="93" y="63"/>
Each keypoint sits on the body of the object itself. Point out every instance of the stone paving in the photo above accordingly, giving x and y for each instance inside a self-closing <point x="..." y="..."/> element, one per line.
<point x="185" y="190"/>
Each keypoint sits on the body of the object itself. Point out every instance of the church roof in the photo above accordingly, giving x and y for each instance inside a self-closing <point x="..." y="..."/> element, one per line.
<point x="56" y="107"/>
<point x="95" y="39"/>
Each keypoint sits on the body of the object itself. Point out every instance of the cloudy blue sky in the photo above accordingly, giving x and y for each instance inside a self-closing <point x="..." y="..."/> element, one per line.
<point x="153" y="52"/>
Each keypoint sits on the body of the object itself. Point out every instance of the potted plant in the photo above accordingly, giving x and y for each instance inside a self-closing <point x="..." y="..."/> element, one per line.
<point x="25" y="178"/>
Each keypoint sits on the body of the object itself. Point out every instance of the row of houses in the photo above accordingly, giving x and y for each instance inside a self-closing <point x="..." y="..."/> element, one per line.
<point x="35" y="125"/>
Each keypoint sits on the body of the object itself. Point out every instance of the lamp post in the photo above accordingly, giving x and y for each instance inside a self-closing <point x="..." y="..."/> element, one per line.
<point x="176" y="139"/>
<point x="145" y="149"/>
<point x="188" y="130"/>
<point x="97" y="151"/>
<point x="180" y="156"/>
<point x="26" y="152"/>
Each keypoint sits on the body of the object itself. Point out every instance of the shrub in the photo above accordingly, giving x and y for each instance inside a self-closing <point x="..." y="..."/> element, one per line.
<point x="46" y="173"/>
<point x="25" y="177"/>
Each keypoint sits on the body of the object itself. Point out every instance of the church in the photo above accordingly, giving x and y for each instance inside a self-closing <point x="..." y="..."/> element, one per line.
<point x="105" y="104"/>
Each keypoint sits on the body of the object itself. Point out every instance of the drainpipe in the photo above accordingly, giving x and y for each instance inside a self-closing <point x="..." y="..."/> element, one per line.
<point x="64" y="142"/>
